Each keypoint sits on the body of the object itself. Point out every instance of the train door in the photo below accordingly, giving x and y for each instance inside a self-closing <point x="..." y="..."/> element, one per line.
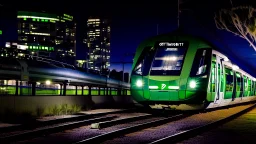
<point x="213" y="77"/>
<point x="253" y="88"/>
<point x="249" y="87"/>
<point x="218" y="79"/>
<point x="238" y="85"/>
<point x="245" y="93"/>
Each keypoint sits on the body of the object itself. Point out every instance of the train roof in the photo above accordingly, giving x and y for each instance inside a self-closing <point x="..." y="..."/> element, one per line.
<point x="180" y="35"/>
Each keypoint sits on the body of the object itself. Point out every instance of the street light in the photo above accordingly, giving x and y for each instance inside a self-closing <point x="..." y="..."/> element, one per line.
<point x="47" y="82"/>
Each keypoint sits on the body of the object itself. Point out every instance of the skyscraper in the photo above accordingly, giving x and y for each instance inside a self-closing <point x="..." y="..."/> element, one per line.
<point x="98" y="42"/>
<point x="47" y="35"/>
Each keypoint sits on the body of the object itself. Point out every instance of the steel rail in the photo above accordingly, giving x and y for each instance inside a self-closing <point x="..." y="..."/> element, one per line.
<point x="119" y="132"/>
<point x="195" y="131"/>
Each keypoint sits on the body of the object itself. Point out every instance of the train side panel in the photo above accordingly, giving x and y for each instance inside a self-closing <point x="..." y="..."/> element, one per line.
<point x="207" y="77"/>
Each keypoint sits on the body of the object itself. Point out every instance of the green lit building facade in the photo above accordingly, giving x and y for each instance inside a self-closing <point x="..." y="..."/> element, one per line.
<point x="47" y="35"/>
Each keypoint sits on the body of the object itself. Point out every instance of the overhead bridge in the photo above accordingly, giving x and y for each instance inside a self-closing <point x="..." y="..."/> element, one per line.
<point x="39" y="70"/>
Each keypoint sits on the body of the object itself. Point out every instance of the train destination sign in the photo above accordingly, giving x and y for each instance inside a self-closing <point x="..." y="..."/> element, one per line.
<point x="172" y="44"/>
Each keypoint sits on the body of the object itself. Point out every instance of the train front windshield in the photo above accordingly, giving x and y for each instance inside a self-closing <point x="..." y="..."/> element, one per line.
<point x="168" y="61"/>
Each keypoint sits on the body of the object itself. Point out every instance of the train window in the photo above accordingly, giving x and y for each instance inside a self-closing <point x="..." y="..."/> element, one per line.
<point x="245" y="83"/>
<point x="144" y="61"/>
<point x="249" y="84"/>
<point x="229" y="79"/>
<point x="214" y="57"/>
<point x="168" y="61"/>
<point x="201" y="62"/>
<point x="239" y="82"/>
<point x="138" y="69"/>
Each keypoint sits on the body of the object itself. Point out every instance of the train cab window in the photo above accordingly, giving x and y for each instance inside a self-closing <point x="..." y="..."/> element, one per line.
<point x="229" y="79"/>
<point x="144" y="61"/>
<point x="168" y="61"/>
<point x="201" y="62"/>
<point x="138" y="69"/>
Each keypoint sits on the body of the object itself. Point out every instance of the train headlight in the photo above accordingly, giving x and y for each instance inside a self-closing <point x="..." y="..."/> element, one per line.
<point x="192" y="84"/>
<point x="139" y="83"/>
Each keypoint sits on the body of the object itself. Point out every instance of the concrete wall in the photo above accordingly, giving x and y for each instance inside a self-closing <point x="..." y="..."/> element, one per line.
<point x="32" y="103"/>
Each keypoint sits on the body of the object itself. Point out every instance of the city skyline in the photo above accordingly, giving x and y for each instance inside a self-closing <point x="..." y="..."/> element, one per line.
<point x="132" y="23"/>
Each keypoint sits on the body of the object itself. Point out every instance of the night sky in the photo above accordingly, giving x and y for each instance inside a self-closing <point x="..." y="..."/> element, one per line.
<point x="134" y="21"/>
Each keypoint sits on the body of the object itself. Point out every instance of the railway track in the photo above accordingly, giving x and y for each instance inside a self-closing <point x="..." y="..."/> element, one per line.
<point x="21" y="132"/>
<point x="135" y="128"/>
<point x="103" y="137"/>
<point x="196" y="131"/>
<point x="77" y="117"/>
<point x="116" y="123"/>
<point x="180" y="130"/>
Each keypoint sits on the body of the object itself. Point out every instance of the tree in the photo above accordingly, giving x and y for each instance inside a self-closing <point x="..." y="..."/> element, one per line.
<point x="113" y="74"/>
<point x="240" y="21"/>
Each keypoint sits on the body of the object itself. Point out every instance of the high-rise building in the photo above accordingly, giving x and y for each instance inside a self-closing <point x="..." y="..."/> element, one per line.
<point x="47" y="35"/>
<point x="98" y="42"/>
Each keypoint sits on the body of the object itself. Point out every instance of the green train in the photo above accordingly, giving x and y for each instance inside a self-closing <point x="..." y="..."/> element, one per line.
<point x="184" y="72"/>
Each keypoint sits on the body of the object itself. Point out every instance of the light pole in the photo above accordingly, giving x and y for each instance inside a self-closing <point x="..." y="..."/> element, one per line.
<point x="178" y="17"/>
<point x="178" y="14"/>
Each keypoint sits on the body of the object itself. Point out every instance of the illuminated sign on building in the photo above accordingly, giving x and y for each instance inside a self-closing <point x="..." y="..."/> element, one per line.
<point x="11" y="44"/>
<point x="15" y="45"/>
<point x="1" y="32"/>
<point x="67" y="17"/>
<point x="23" y="47"/>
